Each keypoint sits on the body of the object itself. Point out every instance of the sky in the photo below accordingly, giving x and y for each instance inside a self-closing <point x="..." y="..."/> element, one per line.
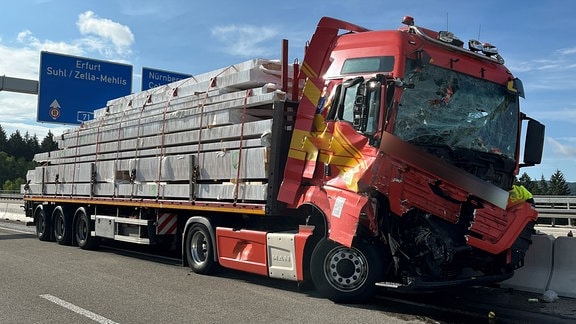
<point x="535" y="38"/>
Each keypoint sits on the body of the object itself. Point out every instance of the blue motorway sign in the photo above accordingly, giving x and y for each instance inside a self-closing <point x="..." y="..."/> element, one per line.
<point x="152" y="78"/>
<point x="70" y="88"/>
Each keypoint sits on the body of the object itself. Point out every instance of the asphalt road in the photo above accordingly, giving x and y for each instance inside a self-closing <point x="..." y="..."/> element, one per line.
<point x="43" y="282"/>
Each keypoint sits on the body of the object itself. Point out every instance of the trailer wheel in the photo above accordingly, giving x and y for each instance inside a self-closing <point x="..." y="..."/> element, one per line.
<point x="345" y="275"/>
<point x="62" y="226"/>
<point x="199" y="250"/>
<point x="83" y="230"/>
<point x="42" y="223"/>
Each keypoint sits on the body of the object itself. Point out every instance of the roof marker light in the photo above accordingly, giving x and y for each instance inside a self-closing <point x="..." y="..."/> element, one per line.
<point x="448" y="37"/>
<point x="489" y="49"/>
<point x="445" y="36"/>
<point x="408" y="21"/>
<point x="474" y="45"/>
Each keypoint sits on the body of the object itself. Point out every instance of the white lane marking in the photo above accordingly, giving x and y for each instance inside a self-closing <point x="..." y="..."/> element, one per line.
<point x="14" y="230"/>
<point x="93" y="316"/>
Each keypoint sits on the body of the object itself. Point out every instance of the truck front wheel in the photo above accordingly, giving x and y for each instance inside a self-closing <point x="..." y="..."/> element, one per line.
<point x="199" y="249"/>
<point x="346" y="275"/>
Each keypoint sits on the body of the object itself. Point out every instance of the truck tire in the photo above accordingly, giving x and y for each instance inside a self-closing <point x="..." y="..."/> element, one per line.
<point x="42" y="222"/>
<point x="346" y="275"/>
<point x="82" y="230"/>
<point x="62" y="226"/>
<point x="199" y="249"/>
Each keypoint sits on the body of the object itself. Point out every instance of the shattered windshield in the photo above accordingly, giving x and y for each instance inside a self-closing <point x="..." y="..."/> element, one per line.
<point x="452" y="109"/>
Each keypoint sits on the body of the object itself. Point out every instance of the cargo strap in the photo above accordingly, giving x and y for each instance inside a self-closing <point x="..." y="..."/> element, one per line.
<point x="162" y="142"/>
<point x="129" y="103"/>
<point x="237" y="184"/>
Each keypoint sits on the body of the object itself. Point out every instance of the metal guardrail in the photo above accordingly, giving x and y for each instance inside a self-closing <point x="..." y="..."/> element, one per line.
<point x="556" y="207"/>
<point x="11" y="195"/>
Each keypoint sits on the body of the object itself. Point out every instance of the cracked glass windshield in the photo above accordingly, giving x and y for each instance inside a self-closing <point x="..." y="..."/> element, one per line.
<point x="447" y="108"/>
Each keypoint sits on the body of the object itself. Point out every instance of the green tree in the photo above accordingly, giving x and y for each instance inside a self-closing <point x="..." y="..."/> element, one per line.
<point x="16" y="145"/>
<point x="528" y="183"/>
<point x="16" y="154"/>
<point x="32" y="146"/>
<point x="48" y="144"/>
<point x="543" y="186"/>
<point x="558" y="185"/>
<point x="12" y="168"/>
<point x="10" y="185"/>
<point x="4" y="168"/>
<point x="3" y="139"/>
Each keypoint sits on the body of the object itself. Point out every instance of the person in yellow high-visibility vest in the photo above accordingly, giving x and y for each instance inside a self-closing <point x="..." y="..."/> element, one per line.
<point x="518" y="194"/>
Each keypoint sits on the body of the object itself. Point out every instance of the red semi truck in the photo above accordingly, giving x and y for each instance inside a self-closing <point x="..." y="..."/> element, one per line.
<point x="385" y="159"/>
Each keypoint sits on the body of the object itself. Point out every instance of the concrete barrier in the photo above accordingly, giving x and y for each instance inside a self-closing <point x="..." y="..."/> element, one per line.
<point x="11" y="208"/>
<point x="535" y="273"/>
<point x="563" y="277"/>
<point x="13" y="211"/>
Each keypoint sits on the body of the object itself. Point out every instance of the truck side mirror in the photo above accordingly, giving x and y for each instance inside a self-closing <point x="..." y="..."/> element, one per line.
<point x="534" y="143"/>
<point x="360" y="109"/>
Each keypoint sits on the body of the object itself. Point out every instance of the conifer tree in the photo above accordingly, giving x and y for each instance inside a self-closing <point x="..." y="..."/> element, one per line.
<point x="528" y="183"/>
<point x="558" y="185"/>
<point x="543" y="186"/>
<point x="3" y="139"/>
<point x="48" y="144"/>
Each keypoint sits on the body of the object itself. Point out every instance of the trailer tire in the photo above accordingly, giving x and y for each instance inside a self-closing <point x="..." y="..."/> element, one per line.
<point x="346" y="275"/>
<point x="61" y="224"/>
<point x="42" y="223"/>
<point x="83" y="231"/>
<point x="199" y="249"/>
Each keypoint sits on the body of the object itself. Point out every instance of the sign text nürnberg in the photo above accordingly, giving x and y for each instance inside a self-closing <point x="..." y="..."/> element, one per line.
<point x="152" y="78"/>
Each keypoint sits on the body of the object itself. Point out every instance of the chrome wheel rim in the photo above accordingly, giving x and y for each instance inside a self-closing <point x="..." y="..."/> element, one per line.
<point x="346" y="269"/>
<point x="198" y="247"/>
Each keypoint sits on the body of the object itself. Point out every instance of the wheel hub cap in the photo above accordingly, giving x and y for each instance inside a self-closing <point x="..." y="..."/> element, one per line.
<point x="346" y="269"/>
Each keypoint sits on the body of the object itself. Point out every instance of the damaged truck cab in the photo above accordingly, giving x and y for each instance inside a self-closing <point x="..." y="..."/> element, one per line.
<point x="407" y="144"/>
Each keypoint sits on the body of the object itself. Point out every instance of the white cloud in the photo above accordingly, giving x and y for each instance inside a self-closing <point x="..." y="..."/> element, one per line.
<point x="19" y="62"/>
<point x="21" y="59"/>
<point x="554" y="72"/>
<point x="19" y="113"/>
<point x="23" y="36"/>
<point x="111" y="39"/>
<point x="558" y="155"/>
<point x="245" y="40"/>
<point x="561" y="149"/>
<point x="566" y="115"/>
<point x="567" y="51"/>
<point x="30" y="42"/>
<point x="101" y="31"/>
<point x="567" y="139"/>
